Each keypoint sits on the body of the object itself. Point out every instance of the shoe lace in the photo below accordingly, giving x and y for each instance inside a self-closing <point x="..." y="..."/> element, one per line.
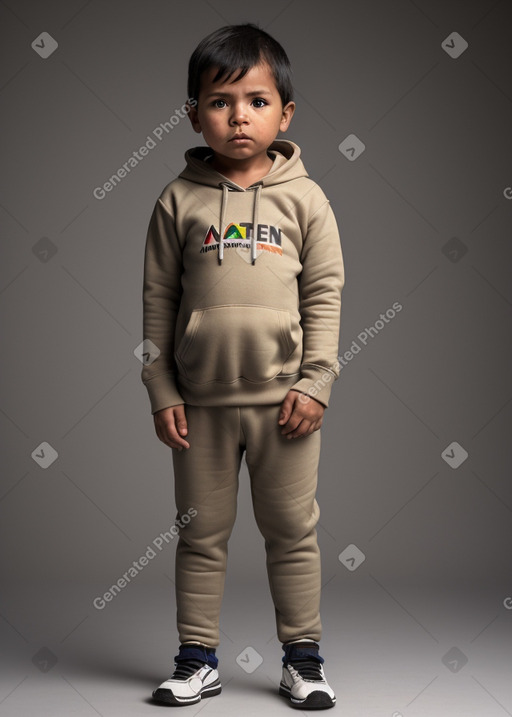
<point x="307" y="668"/>
<point x="186" y="668"/>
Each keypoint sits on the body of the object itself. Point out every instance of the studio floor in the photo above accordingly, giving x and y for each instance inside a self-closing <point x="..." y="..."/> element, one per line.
<point x="390" y="651"/>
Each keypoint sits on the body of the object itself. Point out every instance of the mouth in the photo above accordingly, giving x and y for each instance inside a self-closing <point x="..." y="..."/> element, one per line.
<point x="240" y="138"/>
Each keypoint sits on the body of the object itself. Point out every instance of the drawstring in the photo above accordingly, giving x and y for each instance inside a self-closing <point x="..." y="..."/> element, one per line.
<point x="223" y="205"/>
<point x="255" y="217"/>
<point x="255" y="211"/>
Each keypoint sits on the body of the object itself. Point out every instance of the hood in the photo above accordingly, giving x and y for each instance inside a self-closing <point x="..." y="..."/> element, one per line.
<point x="286" y="167"/>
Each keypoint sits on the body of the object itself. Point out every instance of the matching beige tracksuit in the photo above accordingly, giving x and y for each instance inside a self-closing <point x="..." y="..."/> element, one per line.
<point x="242" y="302"/>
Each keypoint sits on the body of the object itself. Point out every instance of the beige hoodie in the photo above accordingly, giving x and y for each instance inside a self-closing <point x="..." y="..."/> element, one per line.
<point x="234" y="316"/>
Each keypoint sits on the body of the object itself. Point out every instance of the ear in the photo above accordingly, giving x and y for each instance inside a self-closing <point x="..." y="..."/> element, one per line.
<point x="193" y="116"/>
<point x="287" y="115"/>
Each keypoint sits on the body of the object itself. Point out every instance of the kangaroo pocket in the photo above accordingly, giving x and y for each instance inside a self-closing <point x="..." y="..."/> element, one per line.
<point x="228" y="343"/>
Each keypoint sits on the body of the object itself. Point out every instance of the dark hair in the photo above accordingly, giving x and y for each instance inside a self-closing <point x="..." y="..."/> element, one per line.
<point x="239" y="47"/>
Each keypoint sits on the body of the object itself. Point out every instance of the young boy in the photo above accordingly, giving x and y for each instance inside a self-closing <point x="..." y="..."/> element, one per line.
<point x="243" y="274"/>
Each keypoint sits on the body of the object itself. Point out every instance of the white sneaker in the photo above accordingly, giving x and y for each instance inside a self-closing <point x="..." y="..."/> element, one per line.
<point x="191" y="681"/>
<point x="305" y="685"/>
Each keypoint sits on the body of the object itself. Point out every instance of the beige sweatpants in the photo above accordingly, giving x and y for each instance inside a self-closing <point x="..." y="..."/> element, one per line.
<point x="283" y="474"/>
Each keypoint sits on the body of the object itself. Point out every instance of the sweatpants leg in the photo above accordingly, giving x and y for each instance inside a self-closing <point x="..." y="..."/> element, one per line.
<point x="284" y="475"/>
<point x="205" y="478"/>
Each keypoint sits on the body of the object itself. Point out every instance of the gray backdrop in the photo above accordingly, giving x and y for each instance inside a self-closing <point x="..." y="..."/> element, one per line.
<point x="404" y="116"/>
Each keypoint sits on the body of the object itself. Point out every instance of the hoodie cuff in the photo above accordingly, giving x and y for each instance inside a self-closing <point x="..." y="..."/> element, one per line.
<point x="163" y="392"/>
<point x="316" y="382"/>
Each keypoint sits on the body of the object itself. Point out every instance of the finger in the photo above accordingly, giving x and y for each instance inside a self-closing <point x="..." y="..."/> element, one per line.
<point x="174" y="439"/>
<point x="299" y="430"/>
<point x="286" y="409"/>
<point x="291" y="424"/>
<point x="306" y="428"/>
<point x="176" y="427"/>
<point x="298" y="414"/>
<point x="167" y="432"/>
<point x="181" y="420"/>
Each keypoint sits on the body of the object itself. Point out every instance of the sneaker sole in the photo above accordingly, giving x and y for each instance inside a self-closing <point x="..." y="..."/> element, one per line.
<point x="168" y="697"/>
<point x="317" y="700"/>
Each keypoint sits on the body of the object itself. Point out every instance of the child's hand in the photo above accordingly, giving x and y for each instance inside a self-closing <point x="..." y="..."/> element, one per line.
<point x="171" y="425"/>
<point x="300" y="415"/>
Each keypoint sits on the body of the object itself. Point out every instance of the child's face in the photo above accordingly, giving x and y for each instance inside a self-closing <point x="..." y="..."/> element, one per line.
<point x="251" y="106"/>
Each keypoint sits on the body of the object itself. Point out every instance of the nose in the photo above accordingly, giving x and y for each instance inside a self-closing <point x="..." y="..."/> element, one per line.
<point x="239" y="114"/>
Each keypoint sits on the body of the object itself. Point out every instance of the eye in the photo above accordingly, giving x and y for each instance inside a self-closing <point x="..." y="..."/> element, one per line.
<point x="261" y="102"/>
<point x="219" y="103"/>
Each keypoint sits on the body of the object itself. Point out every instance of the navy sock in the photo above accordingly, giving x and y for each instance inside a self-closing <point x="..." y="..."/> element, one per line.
<point x="198" y="652"/>
<point x="301" y="651"/>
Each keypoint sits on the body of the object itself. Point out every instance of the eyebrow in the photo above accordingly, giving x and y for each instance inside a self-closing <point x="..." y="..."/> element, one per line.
<point x="256" y="93"/>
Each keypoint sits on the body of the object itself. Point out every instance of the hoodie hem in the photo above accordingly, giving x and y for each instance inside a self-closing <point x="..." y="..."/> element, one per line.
<point x="238" y="393"/>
